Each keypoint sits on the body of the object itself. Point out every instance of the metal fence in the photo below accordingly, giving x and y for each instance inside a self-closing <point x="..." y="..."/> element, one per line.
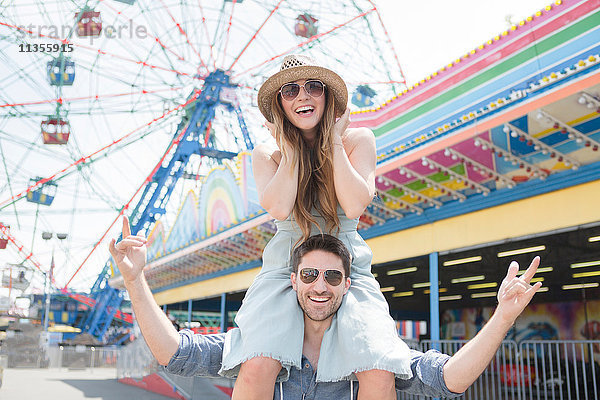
<point x="82" y="357"/>
<point x="531" y="370"/>
<point x="560" y="369"/>
<point x="135" y="360"/>
<point x="71" y="357"/>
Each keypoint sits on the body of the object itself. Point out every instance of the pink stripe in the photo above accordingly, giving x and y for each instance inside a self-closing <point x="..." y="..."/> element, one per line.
<point x="480" y="61"/>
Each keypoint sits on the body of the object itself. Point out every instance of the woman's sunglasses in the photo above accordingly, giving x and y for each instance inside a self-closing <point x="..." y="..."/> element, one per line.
<point x="291" y="90"/>
<point x="332" y="276"/>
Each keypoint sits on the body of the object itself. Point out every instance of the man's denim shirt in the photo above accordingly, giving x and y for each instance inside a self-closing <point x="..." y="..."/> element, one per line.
<point x="200" y="355"/>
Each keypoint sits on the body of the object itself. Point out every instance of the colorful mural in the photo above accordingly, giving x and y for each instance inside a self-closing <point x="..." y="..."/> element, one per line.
<point x="226" y="197"/>
<point x="549" y="321"/>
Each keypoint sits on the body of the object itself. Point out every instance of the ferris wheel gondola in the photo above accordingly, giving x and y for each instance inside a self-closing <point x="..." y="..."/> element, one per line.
<point x="44" y="194"/>
<point x="61" y="71"/>
<point x="306" y="25"/>
<point x="89" y="23"/>
<point x="4" y="236"/>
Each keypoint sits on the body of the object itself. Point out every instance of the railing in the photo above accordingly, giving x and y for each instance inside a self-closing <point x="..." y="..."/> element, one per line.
<point x="563" y="369"/>
<point x="82" y="357"/>
<point x="72" y="357"/>
<point x="532" y="370"/>
<point x="136" y="361"/>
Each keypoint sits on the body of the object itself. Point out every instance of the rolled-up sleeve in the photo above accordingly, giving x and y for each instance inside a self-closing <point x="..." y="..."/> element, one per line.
<point x="197" y="355"/>
<point x="428" y="375"/>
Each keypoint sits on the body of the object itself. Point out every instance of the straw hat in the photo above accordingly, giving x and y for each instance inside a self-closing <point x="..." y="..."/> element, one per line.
<point x="299" y="66"/>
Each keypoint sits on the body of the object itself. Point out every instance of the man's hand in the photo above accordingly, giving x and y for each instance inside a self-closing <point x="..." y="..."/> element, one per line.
<point x="516" y="292"/>
<point x="129" y="253"/>
<point x="464" y="367"/>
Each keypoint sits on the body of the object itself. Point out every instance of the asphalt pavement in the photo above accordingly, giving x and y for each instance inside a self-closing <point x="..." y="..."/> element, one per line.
<point x="63" y="384"/>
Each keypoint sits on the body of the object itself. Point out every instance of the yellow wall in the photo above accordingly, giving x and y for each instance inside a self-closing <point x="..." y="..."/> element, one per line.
<point x="560" y="209"/>
<point x="564" y="208"/>
<point x="208" y="288"/>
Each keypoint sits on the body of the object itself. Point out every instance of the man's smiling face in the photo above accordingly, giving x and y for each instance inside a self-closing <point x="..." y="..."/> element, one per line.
<point x="319" y="300"/>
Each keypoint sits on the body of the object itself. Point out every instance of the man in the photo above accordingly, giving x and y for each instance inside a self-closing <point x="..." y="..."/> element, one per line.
<point x="320" y="277"/>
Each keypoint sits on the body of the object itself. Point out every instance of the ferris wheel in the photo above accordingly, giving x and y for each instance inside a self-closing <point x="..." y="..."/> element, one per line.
<point x="97" y="96"/>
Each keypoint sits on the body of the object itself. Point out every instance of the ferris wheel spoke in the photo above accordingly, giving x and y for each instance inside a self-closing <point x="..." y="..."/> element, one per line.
<point x="131" y="21"/>
<point x="233" y="3"/>
<point x="75" y="152"/>
<point x="169" y="38"/>
<point x="95" y="50"/>
<point x="306" y="42"/>
<point x="95" y="153"/>
<point x="150" y="52"/>
<point x="254" y="35"/>
<point x="128" y="204"/>
<point x="183" y="32"/>
<point x="208" y="41"/>
<point x="26" y="75"/>
<point x="10" y="189"/>
<point x="92" y="97"/>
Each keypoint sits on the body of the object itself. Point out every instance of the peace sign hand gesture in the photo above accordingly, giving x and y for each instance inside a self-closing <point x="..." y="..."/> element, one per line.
<point x="129" y="253"/>
<point x="516" y="292"/>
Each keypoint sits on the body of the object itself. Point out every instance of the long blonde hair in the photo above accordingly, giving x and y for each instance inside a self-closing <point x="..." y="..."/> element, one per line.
<point x="315" y="167"/>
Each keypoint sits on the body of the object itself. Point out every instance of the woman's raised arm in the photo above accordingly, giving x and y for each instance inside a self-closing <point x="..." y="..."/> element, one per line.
<point x="354" y="162"/>
<point x="276" y="180"/>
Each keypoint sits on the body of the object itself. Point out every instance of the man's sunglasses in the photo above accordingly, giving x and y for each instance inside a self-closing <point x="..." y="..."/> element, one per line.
<point x="291" y="90"/>
<point x="332" y="276"/>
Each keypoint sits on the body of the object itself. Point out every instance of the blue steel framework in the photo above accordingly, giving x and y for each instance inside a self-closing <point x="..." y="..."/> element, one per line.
<point x="216" y="91"/>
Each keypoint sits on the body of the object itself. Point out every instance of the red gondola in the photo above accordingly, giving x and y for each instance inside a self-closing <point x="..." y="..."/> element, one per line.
<point x="4" y="236"/>
<point x="306" y="25"/>
<point x="55" y="131"/>
<point x="89" y="23"/>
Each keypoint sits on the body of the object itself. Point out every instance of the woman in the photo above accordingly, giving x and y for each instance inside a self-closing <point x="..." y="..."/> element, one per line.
<point x="319" y="178"/>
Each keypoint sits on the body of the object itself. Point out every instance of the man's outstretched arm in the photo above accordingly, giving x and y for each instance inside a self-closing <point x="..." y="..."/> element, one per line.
<point x="464" y="367"/>
<point x="197" y="355"/>
<point x="157" y="329"/>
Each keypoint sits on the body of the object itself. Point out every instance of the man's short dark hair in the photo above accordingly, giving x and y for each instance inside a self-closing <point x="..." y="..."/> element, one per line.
<point x="326" y="243"/>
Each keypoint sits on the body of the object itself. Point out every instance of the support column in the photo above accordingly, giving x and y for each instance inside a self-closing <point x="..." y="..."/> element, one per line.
<point x="190" y="314"/>
<point x="434" y="297"/>
<point x="223" y="312"/>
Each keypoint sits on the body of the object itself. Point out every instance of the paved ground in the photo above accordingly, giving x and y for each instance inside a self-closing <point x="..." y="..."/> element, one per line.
<point x="54" y="384"/>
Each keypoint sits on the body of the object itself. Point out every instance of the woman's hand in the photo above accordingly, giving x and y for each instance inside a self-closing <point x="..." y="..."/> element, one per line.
<point x="129" y="253"/>
<point x="341" y="125"/>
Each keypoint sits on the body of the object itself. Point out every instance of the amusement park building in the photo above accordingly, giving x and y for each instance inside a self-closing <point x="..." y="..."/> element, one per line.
<point x="492" y="158"/>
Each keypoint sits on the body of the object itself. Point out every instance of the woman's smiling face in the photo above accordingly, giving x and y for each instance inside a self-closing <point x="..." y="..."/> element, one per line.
<point x="305" y="112"/>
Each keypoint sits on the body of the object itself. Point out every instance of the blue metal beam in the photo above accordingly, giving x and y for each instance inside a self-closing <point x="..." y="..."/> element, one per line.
<point x="224" y="312"/>
<point x="191" y="132"/>
<point x="434" y="297"/>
